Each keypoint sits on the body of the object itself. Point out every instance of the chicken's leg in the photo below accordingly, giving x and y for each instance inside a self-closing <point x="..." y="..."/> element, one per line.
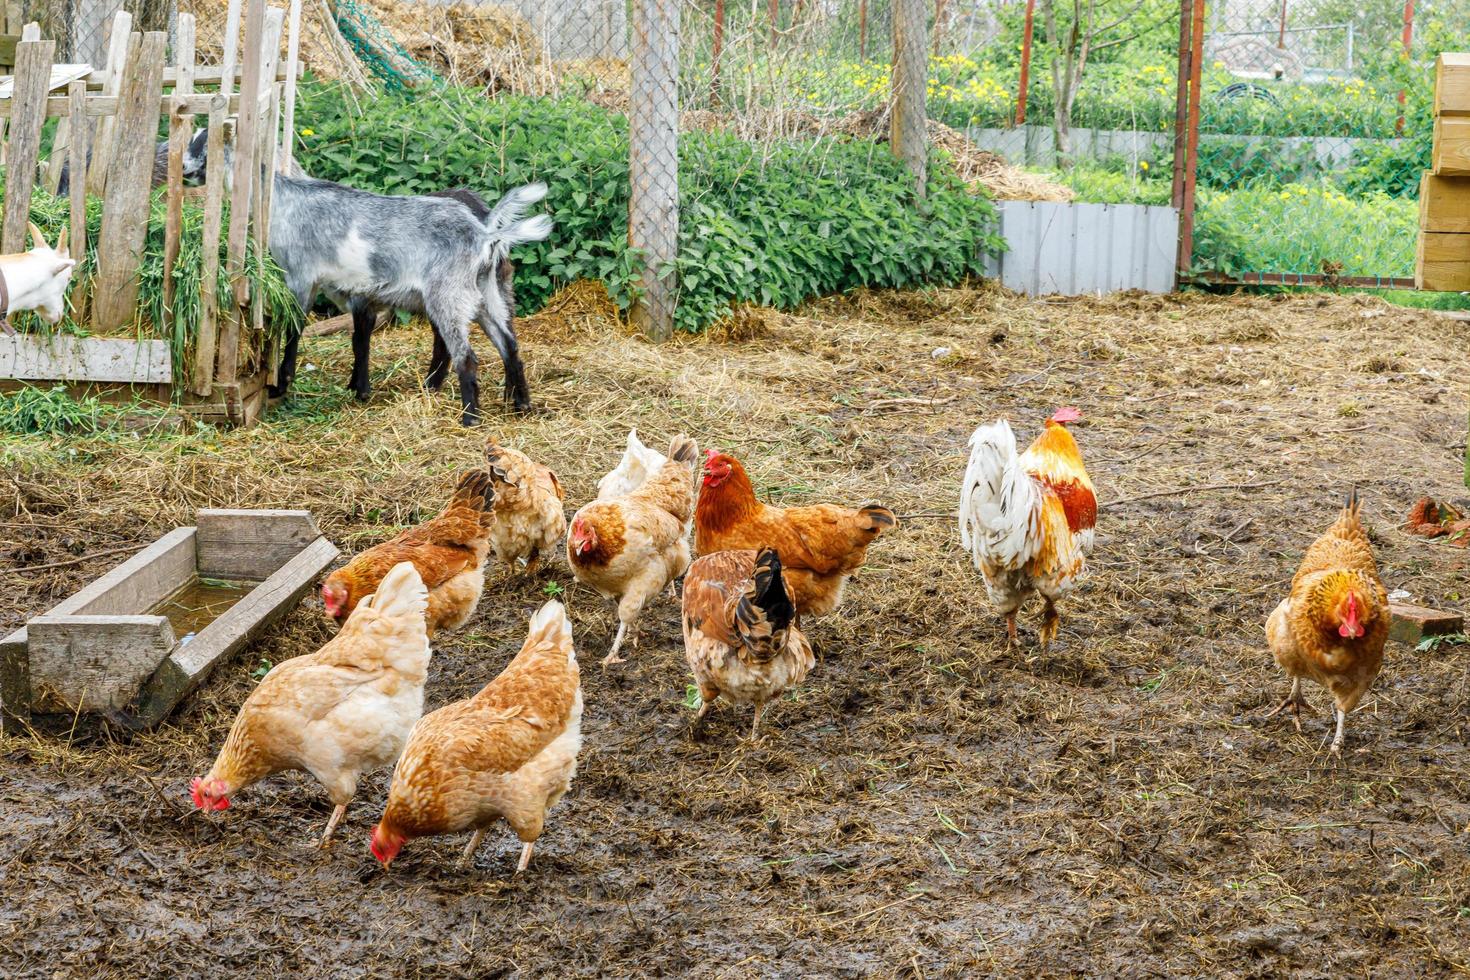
<point x="612" y="655"/>
<point x="755" y="723"/>
<point x="1011" y="638"/>
<point x="525" y="857"/>
<point x="1295" y="702"/>
<point x="1051" y="621"/>
<point x="332" y="823"/>
<point x="533" y="562"/>
<point x="1337" y="739"/>
<point x="469" y="849"/>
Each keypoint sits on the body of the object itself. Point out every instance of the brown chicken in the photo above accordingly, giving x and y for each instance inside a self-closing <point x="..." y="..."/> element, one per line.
<point x="739" y="636"/>
<point x="820" y="546"/>
<point x="528" y="519"/>
<point x="631" y="548"/>
<point x="338" y="713"/>
<point x="508" y="752"/>
<point x="448" y="551"/>
<point x="1332" y="627"/>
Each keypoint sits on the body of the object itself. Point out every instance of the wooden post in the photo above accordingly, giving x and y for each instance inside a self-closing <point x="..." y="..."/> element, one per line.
<point x="129" y="184"/>
<point x="28" y="115"/>
<point x="269" y="103"/>
<point x="909" y="132"/>
<point x="247" y="174"/>
<point x="102" y="146"/>
<point x="773" y="11"/>
<point x="180" y="128"/>
<point x="1027" y="31"/>
<point x="78" y="187"/>
<point x="862" y="30"/>
<point x="293" y="61"/>
<point x="230" y="56"/>
<point x="1408" y="42"/>
<point x="1191" y="137"/>
<point x="717" y="46"/>
<point x="653" y="163"/>
<point x="214" y="203"/>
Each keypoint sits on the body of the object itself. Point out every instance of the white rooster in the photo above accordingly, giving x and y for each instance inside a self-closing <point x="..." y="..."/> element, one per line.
<point x="1027" y="520"/>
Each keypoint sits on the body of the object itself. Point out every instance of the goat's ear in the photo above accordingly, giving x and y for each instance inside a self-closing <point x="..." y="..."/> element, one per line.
<point x="38" y="240"/>
<point x="61" y="242"/>
<point x="61" y="267"/>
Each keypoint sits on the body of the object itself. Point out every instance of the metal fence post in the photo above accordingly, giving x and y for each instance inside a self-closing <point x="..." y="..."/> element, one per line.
<point x="653" y="160"/>
<point x="909" y="133"/>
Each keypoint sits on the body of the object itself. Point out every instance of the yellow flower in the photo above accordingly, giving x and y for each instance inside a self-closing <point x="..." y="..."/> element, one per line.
<point x="1143" y="165"/>
<point x="308" y="132"/>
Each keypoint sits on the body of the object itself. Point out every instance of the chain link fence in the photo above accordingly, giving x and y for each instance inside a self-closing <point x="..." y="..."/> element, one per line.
<point x="1309" y="143"/>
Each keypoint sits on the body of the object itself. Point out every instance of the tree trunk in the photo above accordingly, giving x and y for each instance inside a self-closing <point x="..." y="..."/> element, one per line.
<point x="151" y="15"/>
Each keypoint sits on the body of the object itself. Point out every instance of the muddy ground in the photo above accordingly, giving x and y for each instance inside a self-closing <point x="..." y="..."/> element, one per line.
<point x="929" y="803"/>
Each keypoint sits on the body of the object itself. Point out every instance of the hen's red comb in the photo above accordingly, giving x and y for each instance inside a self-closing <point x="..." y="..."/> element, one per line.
<point x="1065" y="415"/>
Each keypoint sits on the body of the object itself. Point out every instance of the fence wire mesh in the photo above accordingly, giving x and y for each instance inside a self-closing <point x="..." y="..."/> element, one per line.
<point x="1308" y="159"/>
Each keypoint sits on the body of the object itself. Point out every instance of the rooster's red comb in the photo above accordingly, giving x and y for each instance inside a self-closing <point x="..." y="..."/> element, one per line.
<point x="1065" y="415"/>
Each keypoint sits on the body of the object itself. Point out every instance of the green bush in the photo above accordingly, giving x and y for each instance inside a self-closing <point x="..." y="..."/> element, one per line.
<point x="773" y="225"/>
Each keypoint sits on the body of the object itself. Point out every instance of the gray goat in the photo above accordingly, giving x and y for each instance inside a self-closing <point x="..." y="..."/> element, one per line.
<point x="426" y="255"/>
<point x="194" y="156"/>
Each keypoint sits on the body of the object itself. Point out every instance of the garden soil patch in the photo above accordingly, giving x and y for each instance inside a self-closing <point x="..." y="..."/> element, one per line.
<point x="930" y="803"/>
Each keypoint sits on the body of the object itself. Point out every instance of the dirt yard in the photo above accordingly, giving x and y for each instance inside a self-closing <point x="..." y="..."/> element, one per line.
<point x="928" y="804"/>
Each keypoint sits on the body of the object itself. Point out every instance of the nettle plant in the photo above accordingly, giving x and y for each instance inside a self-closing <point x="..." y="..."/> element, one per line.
<point x="768" y="224"/>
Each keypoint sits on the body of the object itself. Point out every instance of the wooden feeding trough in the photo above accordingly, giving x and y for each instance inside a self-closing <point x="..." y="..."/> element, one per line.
<point x="130" y="646"/>
<point x="107" y="124"/>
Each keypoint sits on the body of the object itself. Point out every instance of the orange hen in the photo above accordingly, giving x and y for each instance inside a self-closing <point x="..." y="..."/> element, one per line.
<point x="1332" y="627"/>
<point x="449" y="552"/>
<point x="820" y="546"/>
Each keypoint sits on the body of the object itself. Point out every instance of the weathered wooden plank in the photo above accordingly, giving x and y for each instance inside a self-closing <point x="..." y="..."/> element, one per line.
<point x="94" y="663"/>
<point x="1452" y="84"/>
<point x="207" y="340"/>
<point x="192" y="663"/>
<point x="63" y="357"/>
<point x="247" y="174"/>
<point x="129" y="186"/>
<point x="230" y="49"/>
<point x="270" y="121"/>
<point x="33" y="63"/>
<point x="250" y="544"/>
<point x="102" y="106"/>
<point x="180" y="129"/>
<point x="1451" y="154"/>
<point x="15" y="683"/>
<point x="1411" y="624"/>
<point x="291" y="69"/>
<point x="1442" y="262"/>
<point x="59" y="76"/>
<point x="1444" y="203"/>
<point x="117" y="58"/>
<point x="78" y="188"/>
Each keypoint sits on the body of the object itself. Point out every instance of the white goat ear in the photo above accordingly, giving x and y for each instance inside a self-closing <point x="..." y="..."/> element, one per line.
<point x="61" y="267"/>
<point x="37" y="239"/>
<point x="61" y="242"/>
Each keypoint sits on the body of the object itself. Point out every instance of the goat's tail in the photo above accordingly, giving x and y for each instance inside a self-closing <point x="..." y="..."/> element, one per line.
<point x="514" y="205"/>
<point x="498" y="243"/>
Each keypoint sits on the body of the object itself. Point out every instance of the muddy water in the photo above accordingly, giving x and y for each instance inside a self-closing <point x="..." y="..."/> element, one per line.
<point x="200" y="603"/>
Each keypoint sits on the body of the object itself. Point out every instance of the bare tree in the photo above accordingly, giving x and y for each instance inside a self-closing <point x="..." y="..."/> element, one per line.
<point x="1071" y="45"/>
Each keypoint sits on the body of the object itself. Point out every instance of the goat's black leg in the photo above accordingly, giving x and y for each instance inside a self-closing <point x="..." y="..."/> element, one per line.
<point x="438" y="364"/>
<point x="286" y="373"/>
<point x="364" y="318"/>
<point x="502" y="334"/>
<point x="456" y="336"/>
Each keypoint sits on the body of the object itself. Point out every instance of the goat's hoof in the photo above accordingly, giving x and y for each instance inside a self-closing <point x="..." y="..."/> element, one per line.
<point x="276" y="391"/>
<point x="362" y="394"/>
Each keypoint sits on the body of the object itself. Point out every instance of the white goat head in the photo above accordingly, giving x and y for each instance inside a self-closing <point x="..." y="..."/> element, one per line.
<point x="37" y="280"/>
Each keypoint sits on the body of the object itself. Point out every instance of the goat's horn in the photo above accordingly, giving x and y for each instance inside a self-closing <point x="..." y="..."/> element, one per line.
<point x="38" y="239"/>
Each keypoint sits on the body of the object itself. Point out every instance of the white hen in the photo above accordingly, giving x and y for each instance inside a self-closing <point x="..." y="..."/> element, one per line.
<point x="633" y="470"/>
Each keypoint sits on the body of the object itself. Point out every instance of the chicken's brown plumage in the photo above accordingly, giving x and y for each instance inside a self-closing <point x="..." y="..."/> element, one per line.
<point x="1333" y="625"/>
<point x="509" y="751"/>
<point x="630" y="548"/>
<point x="820" y="546"/>
<point x="449" y="552"/>
<point x="528" y="519"/>
<point x="740" y="638"/>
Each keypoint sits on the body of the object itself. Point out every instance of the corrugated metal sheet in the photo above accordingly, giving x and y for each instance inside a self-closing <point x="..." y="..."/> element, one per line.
<point x="1073" y="249"/>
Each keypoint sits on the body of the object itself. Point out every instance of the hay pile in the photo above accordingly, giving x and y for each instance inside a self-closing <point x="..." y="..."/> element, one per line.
<point x="489" y="47"/>
<point x="322" y="49"/>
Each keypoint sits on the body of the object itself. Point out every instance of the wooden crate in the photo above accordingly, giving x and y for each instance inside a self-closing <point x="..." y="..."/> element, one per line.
<point x="105" y="653"/>
<point x="1442" y="263"/>
<point x="1451" y="154"/>
<point x="1452" y="84"/>
<point x="1444" y="204"/>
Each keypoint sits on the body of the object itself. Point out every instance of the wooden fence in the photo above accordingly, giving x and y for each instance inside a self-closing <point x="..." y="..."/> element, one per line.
<point x="108" y="121"/>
